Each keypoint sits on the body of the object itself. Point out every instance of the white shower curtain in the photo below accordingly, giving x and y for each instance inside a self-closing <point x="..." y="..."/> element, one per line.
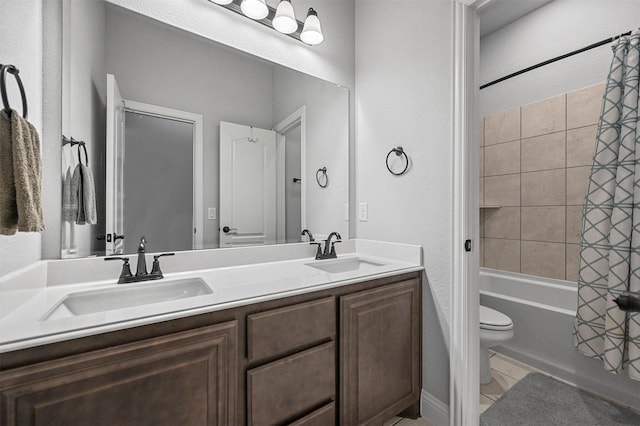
<point x="610" y="240"/>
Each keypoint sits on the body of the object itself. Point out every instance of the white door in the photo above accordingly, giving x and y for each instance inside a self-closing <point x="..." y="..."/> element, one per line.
<point x="247" y="185"/>
<point x="114" y="221"/>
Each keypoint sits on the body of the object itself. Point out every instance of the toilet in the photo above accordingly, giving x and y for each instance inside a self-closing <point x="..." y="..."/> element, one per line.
<point x="495" y="328"/>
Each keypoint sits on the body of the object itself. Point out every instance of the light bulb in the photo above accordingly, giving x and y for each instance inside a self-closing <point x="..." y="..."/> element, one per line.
<point x="254" y="9"/>
<point x="285" y="19"/>
<point x="312" y="32"/>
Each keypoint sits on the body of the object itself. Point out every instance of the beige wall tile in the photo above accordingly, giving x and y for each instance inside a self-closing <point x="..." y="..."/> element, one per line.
<point x="481" y="162"/>
<point x="502" y="190"/>
<point x="481" y="128"/>
<point x="584" y="106"/>
<point x="543" y="224"/>
<point x="573" y="259"/>
<point x="502" y="127"/>
<point x="577" y="181"/>
<point x="543" y="259"/>
<point x="502" y="254"/>
<point x="543" y="152"/>
<point x="574" y="224"/>
<point x="547" y="116"/>
<point x="581" y="144"/>
<point x="481" y="251"/>
<point x="502" y="223"/>
<point x="502" y="159"/>
<point x="481" y="192"/>
<point x="546" y="188"/>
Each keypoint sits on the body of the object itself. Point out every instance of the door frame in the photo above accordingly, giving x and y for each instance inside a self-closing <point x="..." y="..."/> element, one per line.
<point x="464" y="366"/>
<point x="299" y="116"/>
<point x="198" y="158"/>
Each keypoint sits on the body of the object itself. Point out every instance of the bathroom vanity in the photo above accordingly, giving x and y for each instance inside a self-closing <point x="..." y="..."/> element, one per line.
<point x="346" y="350"/>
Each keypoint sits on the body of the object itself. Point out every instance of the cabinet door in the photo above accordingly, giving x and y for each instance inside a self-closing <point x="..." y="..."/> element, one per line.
<point x="185" y="378"/>
<point x="380" y="352"/>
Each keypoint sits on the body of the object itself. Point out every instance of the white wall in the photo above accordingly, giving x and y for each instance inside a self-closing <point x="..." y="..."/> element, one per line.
<point x="403" y="97"/>
<point x="21" y="45"/>
<point x="555" y="29"/>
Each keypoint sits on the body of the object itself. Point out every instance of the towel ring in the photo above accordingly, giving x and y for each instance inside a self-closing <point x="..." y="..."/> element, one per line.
<point x="399" y="152"/>
<point x="3" y="88"/>
<point x="86" y="156"/>
<point x="319" y="174"/>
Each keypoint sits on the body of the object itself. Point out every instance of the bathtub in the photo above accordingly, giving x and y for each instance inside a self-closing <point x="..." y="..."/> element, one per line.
<point x="542" y="311"/>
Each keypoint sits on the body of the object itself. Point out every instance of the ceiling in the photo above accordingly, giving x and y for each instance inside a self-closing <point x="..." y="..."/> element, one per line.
<point x="496" y="14"/>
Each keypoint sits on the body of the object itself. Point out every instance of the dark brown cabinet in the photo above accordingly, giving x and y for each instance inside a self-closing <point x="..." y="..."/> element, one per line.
<point x="379" y="352"/>
<point x="348" y="355"/>
<point x="186" y="378"/>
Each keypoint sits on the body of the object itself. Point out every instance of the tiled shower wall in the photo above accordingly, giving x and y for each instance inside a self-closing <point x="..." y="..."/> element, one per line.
<point x="534" y="168"/>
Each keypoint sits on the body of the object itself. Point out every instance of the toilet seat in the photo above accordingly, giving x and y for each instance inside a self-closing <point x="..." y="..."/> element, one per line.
<point x="491" y="319"/>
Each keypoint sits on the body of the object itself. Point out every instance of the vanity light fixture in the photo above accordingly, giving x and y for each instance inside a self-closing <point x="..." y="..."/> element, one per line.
<point x="312" y="32"/>
<point x="254" y="9"/>
<point x="285" y="19"/>
<point x="282" y="19"/>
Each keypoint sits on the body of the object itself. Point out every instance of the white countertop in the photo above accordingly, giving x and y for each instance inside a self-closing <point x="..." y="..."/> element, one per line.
<point x="25" y="299"/>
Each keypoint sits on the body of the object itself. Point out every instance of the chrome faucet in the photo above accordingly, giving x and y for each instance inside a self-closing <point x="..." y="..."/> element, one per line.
<point x="329" y="247"/>
<point x="306" y="231"/>
<point x="141" y="272"/>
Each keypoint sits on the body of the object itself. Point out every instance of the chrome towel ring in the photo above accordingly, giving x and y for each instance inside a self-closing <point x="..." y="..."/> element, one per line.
<point x="3" y="87"/>
<point x="321" y="176"/>
<point x="399" y="151"/>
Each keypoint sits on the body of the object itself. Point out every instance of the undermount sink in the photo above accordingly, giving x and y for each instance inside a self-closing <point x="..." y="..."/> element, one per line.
<point x="336" y="266"/>
<point x="126" y="296"/>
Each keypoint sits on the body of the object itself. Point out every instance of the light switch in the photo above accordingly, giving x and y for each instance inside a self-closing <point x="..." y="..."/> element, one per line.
<point x="363" y="212"/>
<point x="211" y="215"/>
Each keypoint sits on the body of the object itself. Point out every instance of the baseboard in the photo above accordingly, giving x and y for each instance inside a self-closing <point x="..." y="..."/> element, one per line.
<point x="434" y="410"/>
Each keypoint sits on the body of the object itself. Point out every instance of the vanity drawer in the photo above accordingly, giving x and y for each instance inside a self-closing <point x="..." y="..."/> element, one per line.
<point x="278" y="331"/>
<point x="325" y="416"/>
<point x="290" y="386"/>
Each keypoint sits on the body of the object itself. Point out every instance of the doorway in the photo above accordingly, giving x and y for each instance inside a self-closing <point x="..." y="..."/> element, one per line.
<point x="153" y="163"/>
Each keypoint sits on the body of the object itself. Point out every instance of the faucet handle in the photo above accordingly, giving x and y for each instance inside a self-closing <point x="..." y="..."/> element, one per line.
<point x="319" y="251"/>
<point x="155" y="268"/>
<point x="126" y="269"/>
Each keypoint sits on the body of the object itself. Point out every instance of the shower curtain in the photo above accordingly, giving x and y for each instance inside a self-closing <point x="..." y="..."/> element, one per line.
<point x="610" y="240"/>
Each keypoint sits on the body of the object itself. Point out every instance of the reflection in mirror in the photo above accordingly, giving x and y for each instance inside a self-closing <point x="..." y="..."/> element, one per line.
<point x="190" y="138"/>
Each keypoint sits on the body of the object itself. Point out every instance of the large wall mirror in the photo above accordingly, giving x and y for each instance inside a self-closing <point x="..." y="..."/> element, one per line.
<point x="191" y="143"/>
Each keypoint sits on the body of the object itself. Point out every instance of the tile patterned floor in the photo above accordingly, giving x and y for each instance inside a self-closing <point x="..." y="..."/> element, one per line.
<point x="399" y="421"/>
<point x="506" y="372"/>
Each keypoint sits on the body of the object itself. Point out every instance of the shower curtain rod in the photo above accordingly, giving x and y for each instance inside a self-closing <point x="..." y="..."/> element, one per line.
<point x="557" y="58"/>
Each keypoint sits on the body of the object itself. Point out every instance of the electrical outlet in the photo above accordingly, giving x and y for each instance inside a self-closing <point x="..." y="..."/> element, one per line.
<point x="363" y="212"/>
<point x="211" y="213"/>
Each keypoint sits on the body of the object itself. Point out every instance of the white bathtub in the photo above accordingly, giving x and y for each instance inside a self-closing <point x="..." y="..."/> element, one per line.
<point x="542" y="311"/>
